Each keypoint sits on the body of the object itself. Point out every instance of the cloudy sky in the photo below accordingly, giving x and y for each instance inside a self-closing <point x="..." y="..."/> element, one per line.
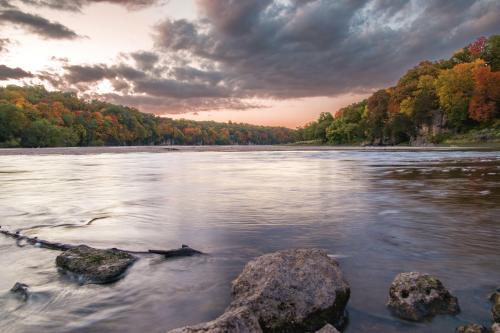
<point x="278" y="62"/>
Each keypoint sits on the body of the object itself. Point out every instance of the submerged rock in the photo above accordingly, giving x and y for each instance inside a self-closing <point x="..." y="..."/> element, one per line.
<point x="416" y="296"/>
<point x="287" y="291"/>
<point x="495" y="309"/>
<point x="328" y="329"/>
<point x="95" y="265"/>
<point x="471" y="328"/>
<point x="21" y="290"/>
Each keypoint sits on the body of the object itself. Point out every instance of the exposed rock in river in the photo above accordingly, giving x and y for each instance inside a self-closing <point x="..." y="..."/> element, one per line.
<point x="21" y="290"/>
<point x="94" y="265"/>
<point x="495" y="309"/>
<point x="238" y="320"/>
<point x="495" y="328"/>
<point x="287" y="291"/>
<point x="328" y="329"/>
<point x="471" y="328"/>
<point x="416" y="296"/>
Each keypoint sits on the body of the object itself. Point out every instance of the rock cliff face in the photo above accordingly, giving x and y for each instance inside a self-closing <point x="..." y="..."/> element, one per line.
<point x="298" y="290"/>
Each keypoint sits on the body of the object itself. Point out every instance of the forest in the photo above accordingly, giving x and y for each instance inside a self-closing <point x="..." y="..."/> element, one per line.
<point x="443" y="101"/>
<point x="31" y="116"/>
<point x="446" y="101"/>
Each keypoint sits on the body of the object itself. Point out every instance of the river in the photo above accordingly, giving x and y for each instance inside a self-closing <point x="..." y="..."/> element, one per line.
<point x="378" y="212"/>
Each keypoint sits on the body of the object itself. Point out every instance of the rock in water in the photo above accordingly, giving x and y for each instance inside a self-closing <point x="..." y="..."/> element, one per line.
<point x="94" y="265"/>
<point x="416" y="296"/>
<point x="471" y="328"/>
<point x="328" y="329"/>
<point x="287" y="291"/>
<point x="293" y="290"/>
<point x="21" y="290"/>
<point x="495" y="328"/>
<point x="239" y="320"/>
<point x="495" y="309"/>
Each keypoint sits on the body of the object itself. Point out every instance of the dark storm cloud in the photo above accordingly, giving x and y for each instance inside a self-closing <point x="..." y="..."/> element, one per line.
<point x="321" y="47"/>
<point x="178" y="89"/>
<point x="124" y="77"/>
<point x="36" y="24"/>
<point x="84" y="74"/>
<point x="145" y="60"/>
<point x="7" y="73"/>
<point x="77" y="5"/>
<point x="281" y="49"/>
<point x="93" y="73"/>
<point x="168" y="105"/>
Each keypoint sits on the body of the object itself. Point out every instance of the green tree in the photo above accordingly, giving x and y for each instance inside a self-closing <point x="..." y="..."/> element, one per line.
<point x="377" y="106"/>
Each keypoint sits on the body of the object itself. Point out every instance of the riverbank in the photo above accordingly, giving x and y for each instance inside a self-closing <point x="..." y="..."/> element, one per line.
<point x="229" y="148"/>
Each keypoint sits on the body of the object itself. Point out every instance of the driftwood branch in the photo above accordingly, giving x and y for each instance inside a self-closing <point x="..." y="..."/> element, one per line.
<point x="184" y="251"/>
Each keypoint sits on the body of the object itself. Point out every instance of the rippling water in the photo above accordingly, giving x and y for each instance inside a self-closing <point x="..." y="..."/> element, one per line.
<point x="380" y="213"/>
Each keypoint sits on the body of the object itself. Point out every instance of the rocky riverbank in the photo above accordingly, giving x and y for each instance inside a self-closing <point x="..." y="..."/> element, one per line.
<point x="304" y="290"/>
<point x="290" y="291"/>
<point x="228" y="148"/>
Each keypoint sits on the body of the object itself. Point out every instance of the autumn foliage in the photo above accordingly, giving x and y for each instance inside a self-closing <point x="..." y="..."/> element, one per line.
<point x="35" y="117"/>
<point x="431" y="100"/>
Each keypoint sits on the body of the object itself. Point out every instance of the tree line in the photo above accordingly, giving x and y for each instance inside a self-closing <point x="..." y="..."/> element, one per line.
<point x="430" y="103"/>
<point x="31" y="116"/>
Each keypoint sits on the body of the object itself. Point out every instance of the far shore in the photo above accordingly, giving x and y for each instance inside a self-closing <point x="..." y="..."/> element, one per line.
<point x="233" y="148"/>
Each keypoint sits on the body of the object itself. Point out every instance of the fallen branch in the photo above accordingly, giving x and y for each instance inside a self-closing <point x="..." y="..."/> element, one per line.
<point x="184" y="251"/>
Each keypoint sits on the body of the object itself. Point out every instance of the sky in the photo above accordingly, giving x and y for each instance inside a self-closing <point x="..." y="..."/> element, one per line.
<point x="270" y="62"/>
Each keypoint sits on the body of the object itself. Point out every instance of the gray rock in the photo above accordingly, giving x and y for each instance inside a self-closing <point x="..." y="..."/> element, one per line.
<point x="495" y="309"/>
<point x="328" y="329"/>
<point x="495" y="328"/>
<point x="471" y="328"/>
<point x="93" y="265"/>
<point x="287" y="291"/>
<point x="238" y="320"/>
<point x="21" y="290"/>
<point x="417" y="296"/>
<point x="293" y="290"/>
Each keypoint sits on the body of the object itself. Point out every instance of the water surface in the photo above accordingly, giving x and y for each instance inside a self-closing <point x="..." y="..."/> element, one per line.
<point x="379" y="213"/>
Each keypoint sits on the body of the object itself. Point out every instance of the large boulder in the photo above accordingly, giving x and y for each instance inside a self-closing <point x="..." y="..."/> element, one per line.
<point x="471" y="328"/>
<point x="301" y="289"/>
<point x="92" y="265"/>
<point x="298" y="290"/>
<point x="495" y="309"/>
<point x="417" y="296"/>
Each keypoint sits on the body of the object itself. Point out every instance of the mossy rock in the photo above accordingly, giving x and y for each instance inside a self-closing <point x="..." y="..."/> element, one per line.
<point x="416" y="296"/>
<point x="471" y="328"/>
<point x="92" y="265"/>
<point x="495" y="309"/>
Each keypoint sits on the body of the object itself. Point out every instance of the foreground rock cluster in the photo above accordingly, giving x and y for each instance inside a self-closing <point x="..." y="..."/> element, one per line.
<point x="298" y="290"/>
<point x="304" y="290"/>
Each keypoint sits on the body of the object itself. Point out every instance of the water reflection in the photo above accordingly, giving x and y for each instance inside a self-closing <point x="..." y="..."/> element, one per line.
<point x="380" y="213"/>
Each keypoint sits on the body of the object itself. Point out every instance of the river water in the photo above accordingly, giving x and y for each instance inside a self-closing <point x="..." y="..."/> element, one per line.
<point x="379" y="213"/>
